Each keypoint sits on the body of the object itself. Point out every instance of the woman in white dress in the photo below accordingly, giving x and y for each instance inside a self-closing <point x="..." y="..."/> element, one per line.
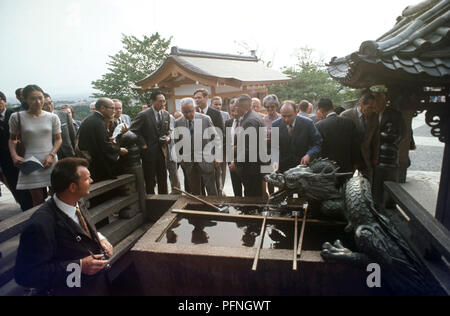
<point x="37" y="129"/>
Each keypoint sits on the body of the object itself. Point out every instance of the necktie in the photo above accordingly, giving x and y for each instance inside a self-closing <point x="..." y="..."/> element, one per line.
<point x="159" y="120"/>
<point x="203" y="112"/>
<point x="191" y="128"/>
<point x="83" y="223"/>
<point x="363" y="124"/>
<point x="291" y="130"/>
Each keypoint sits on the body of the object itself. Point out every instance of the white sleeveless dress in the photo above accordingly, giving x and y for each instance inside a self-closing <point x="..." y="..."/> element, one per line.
<point x="37" y="133"/>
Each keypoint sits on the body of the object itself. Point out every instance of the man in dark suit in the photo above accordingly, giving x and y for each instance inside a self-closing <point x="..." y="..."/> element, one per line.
<point x="340" y="138"/>
<point x="367" y="125"/>
<point x="11" y="173"/>
<point x="60" y="245"/>
<point x="95" y="144"/>
<point x="248" y="146"/>
<point x="201" y="100"/>
<point x="68" y="134"/>
<point x="152" y="126"/>
<point x="299" y="140"/>
<point x="389" y="118"/>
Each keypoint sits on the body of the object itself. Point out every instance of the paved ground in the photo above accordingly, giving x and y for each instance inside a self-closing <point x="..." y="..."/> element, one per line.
<point x="422" y="181"/>
<point x="426" y="162"/>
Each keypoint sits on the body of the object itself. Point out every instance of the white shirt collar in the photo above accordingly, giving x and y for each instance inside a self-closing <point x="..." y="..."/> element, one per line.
<point x="2" y="114"/>
<point x="331" y="114"/>
<point x="205" y="110"/>
<point x="69" y="210"/>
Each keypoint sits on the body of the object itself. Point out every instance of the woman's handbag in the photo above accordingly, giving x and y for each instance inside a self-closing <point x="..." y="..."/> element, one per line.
<point x="20" y="147"/>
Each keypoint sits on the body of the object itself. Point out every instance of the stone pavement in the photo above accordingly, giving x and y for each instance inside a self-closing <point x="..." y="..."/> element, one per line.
<point x="426" y="162"/>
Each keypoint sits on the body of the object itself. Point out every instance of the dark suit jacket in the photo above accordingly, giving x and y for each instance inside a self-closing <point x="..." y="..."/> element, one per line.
<point x="370" y="141"/>
<point x="305" y="140"/>
<point x="49" y="243"/>
<point x="340" y="142"/>
<point x="216" y="117"/>
<point x="5" y="157"/>
<point x="94" y="138"/>
<point x="4" y="131"/>
<point x="250" y="120"/>
<point x="67" y="134"/>
<point x="392" y="121"/>
<point x="148" y="132"/>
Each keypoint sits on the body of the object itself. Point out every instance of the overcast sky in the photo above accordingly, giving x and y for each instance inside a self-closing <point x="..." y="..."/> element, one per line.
<point x="63" y="45"/>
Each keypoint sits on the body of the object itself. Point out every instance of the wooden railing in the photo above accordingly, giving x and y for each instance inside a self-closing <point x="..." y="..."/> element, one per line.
<point x="118" y="209"/>
<point x="429" y="238"/>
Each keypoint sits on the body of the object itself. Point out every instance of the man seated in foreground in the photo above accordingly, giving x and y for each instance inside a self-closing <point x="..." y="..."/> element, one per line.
<point x="59" y="240"/>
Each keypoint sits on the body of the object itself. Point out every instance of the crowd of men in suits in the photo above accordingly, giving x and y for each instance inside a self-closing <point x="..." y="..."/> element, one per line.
<point x="351" y="139"/>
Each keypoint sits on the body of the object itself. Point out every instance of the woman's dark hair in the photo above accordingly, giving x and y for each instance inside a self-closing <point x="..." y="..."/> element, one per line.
<point x="29" y="89"/>
<point x="2" y="96"/>
<point x="65" y="173"/>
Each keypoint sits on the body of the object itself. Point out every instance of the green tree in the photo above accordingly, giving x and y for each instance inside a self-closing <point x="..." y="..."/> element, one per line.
<point x="138" y="59"/>
<point x="311" y="81"/>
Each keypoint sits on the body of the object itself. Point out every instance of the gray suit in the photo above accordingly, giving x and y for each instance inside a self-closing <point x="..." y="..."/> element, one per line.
<point x="125" y="119"/>
<point x="202" y="169"/>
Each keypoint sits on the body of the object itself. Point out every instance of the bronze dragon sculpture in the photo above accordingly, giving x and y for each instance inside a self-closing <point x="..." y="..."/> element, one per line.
<point x="376" y="238"/>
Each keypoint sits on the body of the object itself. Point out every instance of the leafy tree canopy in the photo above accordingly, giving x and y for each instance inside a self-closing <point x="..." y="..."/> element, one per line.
<point x="137" y="59"/>
<point x="311" y="81"/>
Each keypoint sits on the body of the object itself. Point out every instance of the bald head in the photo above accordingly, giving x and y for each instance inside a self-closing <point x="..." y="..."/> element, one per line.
<point x="288" y="113"/>
<point x="106" y="107"/>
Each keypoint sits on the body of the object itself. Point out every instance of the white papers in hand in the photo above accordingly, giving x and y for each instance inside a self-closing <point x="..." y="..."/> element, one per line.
<point x="118" y="130"/>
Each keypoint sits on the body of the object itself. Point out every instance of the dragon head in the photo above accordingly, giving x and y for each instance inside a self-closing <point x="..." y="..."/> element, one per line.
<point x="315" y="182"/>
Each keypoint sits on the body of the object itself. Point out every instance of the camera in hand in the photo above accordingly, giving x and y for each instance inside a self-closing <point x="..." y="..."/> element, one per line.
<point x="106" y="257"/>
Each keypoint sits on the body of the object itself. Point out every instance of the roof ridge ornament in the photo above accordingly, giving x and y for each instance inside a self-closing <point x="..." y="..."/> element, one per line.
<point x="369" y="48"/>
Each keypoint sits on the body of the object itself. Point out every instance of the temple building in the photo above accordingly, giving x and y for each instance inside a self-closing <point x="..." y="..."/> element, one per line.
<point x="227" y="76"/>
